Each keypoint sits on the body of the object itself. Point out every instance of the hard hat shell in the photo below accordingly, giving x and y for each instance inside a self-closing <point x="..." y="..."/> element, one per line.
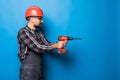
<point x="34" y="11"/>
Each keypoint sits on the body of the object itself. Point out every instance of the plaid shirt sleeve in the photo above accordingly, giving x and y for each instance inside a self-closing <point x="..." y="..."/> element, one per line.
<point x="30" y="41"/>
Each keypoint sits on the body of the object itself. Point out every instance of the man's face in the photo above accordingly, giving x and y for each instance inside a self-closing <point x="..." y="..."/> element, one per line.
<point x="37" y="21"/>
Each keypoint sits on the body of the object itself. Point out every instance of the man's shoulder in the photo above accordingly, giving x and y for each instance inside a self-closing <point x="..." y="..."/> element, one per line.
<point x="21" y="30"/>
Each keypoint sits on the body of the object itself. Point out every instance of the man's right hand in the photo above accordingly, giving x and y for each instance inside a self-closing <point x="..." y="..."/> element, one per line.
<point x="58" y="45"/>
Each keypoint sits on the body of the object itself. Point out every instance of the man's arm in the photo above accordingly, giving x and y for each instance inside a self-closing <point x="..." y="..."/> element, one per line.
<point x="61" y="44"/>
<point x="29" y="40"/>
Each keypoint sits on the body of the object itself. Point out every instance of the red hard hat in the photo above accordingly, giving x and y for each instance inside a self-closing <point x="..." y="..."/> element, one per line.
<point x="34" y="11"/>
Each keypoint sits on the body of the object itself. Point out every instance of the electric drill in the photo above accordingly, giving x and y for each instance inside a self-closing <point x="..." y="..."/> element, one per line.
<point x="63" y="38"/>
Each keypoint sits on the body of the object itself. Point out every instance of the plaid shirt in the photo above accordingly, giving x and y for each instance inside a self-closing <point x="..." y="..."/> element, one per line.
<point x="30" y="40"/>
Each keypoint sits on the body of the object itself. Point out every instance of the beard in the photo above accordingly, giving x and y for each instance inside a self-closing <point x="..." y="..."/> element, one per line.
<point x="38" y="26"/>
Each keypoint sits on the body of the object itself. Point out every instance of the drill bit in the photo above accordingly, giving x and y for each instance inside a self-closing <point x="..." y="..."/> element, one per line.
<point x="77" y="38"/>
<point x="71" y="38"/>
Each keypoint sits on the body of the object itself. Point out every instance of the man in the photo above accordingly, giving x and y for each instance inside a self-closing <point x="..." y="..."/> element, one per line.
<point x="32" y="44"/>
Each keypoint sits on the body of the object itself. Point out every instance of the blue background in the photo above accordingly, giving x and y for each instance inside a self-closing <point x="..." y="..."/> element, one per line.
<point x="96" y="57"/>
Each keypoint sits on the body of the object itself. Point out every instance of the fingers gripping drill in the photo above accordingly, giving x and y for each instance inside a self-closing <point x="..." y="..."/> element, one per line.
<point x="65" y="38"/>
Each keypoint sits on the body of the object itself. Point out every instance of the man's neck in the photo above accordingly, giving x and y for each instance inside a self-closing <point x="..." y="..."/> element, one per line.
<point x="31" y="26"/>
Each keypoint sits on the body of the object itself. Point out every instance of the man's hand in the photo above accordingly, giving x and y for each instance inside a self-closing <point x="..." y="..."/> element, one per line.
<point x="65" y="42"/>
<point x="60" y="44"/>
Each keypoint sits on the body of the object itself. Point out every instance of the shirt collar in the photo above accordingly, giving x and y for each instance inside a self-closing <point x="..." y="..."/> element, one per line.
<point x="30" y="29"/>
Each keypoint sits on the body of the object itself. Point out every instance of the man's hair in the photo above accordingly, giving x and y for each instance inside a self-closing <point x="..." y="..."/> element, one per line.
<point x="28" y="18"/>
